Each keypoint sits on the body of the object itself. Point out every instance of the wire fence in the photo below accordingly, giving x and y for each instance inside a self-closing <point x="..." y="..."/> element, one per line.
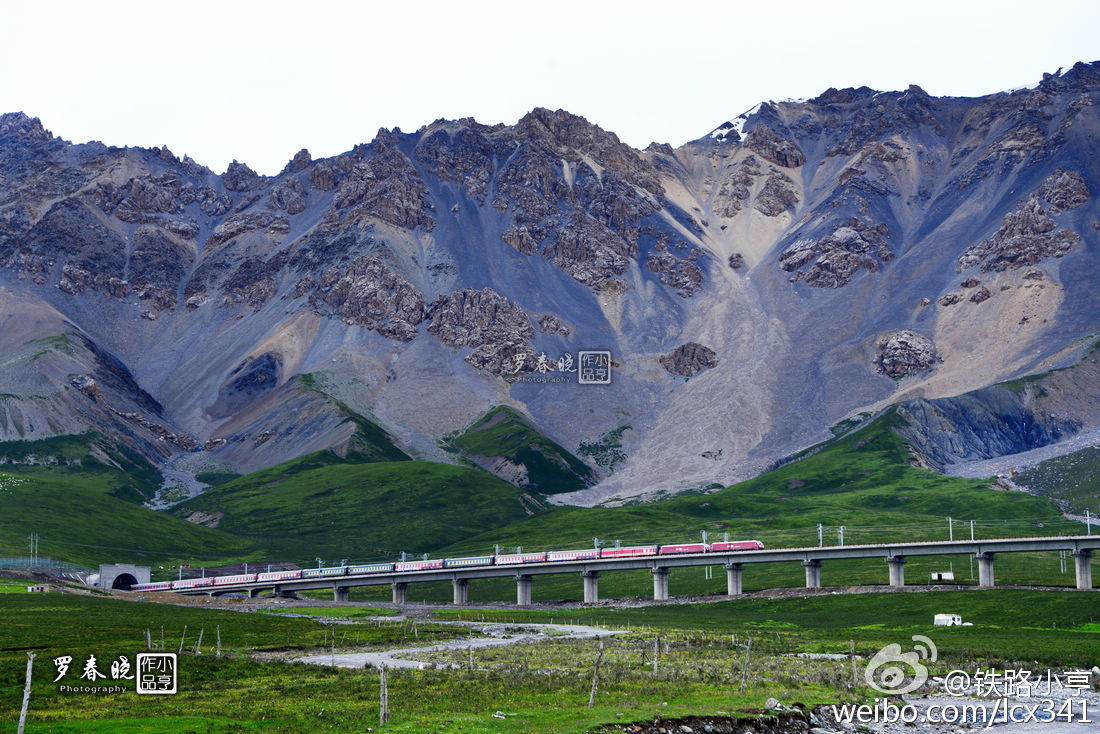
<point x="42" y="562"/>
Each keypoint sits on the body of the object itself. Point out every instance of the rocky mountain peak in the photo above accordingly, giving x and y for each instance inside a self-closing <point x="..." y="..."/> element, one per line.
<point x="239" y="177"/>
<point x="300" y="162"/>
<point x="795" y="265"/>
<point x="19" y="125"/>
<point x="1079" y="77"/>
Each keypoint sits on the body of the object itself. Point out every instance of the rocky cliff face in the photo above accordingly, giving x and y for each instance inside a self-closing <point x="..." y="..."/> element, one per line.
<point x="800" y="263"/>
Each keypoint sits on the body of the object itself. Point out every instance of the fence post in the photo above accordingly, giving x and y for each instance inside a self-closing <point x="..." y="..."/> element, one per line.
<point x="384" y="697"/>
<point x="26" y="693"/>
<point x="595" y="678"/>
<point x="745" y="672"/>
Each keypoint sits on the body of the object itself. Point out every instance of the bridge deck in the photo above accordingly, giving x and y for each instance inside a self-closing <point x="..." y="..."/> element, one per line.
<point x="984" y="549"/>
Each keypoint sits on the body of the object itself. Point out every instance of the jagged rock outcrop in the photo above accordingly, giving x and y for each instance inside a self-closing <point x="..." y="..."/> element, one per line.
<point x="289" y="196"/>
<point x="590" y="253"/>
<point x="777" y="196"/>
<point x="464" y="157"/>
<point x="300" y="162"/>
<point x="367" y="293"/>
<point x="905" y="353"/>
<point x="980" y="295"/>
<point x="1028" y="234"/>
<point x="679" y="273"/>
<point x="142" y="198"/>
<point x="239" y="177"/>
<point x="734" y="189"/>
<point x="551" y="324"/>
<point x="498" y="330"/>
<point x="386" y="186"/>
<point x="1064" y="191"/>
<point x="688" y="360"/>
<point x="238" y="224"/>
<point x="836" y="258"/>
<point x="774" y="147"/>
<point x="584" y="215"/>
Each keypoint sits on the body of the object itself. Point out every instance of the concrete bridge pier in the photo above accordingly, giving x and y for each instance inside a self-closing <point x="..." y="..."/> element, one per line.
<point x="985" y="570"/>
<point x="282" y="593"/>
<point x="733" y="579"/>
<point x="461" y="588"/>
<point x="813" y="573"/>
<point x="399" y="592"/>
<point x="254" y="592"/>
<point x="591" y="586"/>
<point x="660" y="584"/>
<point x="523" y="591"/>
<point x="897" y="571"/>
<point x="1082" y="560"/>
<point x="340" y="593"/>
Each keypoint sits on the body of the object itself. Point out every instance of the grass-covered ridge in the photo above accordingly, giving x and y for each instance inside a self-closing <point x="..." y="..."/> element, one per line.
<point x="90" y="458"/>
<point x="544" y="465"/>
<point x="78" y="520"/>
<point x="863" y="480"/>
<point x="324" y="505"/>
<point x="370" y="442"/>
<point x="360" y="511"/>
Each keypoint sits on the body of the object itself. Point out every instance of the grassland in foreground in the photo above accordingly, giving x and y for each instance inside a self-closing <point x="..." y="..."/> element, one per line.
<point x="542" y="687"/>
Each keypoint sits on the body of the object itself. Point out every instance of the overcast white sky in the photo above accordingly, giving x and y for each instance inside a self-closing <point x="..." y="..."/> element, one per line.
<point x="256" y="81"/>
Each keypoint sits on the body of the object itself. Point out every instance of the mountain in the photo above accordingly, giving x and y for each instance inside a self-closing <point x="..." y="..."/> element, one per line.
<point x="803" y="263"/>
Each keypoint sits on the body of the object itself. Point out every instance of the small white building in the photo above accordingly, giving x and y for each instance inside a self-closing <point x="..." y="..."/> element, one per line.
<point x="947" y="620"/>
<point x="943" y="575"/>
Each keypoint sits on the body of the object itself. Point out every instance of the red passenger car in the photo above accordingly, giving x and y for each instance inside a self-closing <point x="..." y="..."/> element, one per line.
<point x="637" y="550"/>
<point x="736" y="545"/>
<point x="667" y="550"/>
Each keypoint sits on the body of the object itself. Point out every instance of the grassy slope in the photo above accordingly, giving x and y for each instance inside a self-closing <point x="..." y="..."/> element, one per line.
<point x="79" y="521"/>
<point x="862" y="481"/>
<point x="361" y="511"/>
<point x="325" y="506"/>
<point x="118" y="470"/>
<point x="87" y="512"/>
<point x="1074" y="477"/>
<point x="502" y="432"/>
<point x="370" y="442"/>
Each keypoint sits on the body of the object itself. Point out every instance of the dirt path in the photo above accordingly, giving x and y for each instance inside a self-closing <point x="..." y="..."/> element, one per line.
<point x="496" y="634"/>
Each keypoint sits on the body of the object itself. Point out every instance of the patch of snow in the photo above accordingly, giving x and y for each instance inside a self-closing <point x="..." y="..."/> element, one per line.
<point x="737" y="124"/>
<point x="1024" y="88"/>
<point x="1062" y="71"/>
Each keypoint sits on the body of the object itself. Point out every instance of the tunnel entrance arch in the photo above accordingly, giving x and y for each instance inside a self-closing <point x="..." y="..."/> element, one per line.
<point x="122" y="576"/>
<point x="124" y="581"/>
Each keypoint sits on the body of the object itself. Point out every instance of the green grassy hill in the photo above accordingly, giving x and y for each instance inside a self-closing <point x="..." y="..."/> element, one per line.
<point x="361" y="511"/>
<point x="99" y="462"/>
<point x="81" y="495"/>
<point x="78" y="520"/>
<point x="503" y="433"/>
<point x="862" y="481"/>
<point x="327" y="506"/>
